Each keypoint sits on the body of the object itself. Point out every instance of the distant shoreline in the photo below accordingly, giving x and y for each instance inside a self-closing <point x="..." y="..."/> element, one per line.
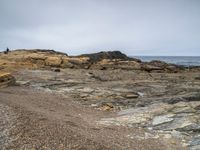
<point x="187" y="61"/>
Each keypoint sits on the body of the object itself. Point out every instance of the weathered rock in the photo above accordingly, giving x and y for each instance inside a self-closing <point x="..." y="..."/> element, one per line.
<point x="193" y="96"/>
<point x="177" y="134"/>
<point x="160" y="66"/>
<point x="179" y="120"/>
<point x="195" y="105"/>
<point x="150" y="68"/>
<point x="66" y="63"/>
<point x="6" y="79"/>
<point x="185" y="109"/>
<point x="107" y="107"/>
<point x="162" y="119"/>
<point x="53" y="61"/>
<point x="131" y="95"/>
<point x="37" y="59"/>
<point x="96" y="57"/>
<point x="136" y="118"/>
<point x="195" y="143"/>
<point x="77" y="62"/>
<point x="158" y="63"/>
<point x="116" y="64"/>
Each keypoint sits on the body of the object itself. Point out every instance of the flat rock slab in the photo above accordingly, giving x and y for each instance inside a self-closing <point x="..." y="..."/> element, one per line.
<point x="162" y="119"/>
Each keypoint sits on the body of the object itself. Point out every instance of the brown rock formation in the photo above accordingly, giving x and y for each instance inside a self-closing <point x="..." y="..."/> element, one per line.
<point x="37" y="59"/>
<point x="47" y="59"/>
<point x="6" y="79"/>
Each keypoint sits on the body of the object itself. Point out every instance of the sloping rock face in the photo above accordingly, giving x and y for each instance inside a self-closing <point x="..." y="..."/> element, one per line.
<point x="111" y="55"/>
<point x="6" y="79"/>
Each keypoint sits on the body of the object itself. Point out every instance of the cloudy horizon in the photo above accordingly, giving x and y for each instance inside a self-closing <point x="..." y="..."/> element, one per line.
<point x="135" y="27"/>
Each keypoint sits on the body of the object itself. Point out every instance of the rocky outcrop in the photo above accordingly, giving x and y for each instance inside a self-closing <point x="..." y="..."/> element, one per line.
<point x="110" y="55"/>
<point x="116" y="64"/>
<point x="47" y="59"/>
<point x="160" y="66"/>
<point x="40" y="59"/>
<point x="75" y="62"/>
<point x="6" y="79"/>
<point x="53" y="61"/>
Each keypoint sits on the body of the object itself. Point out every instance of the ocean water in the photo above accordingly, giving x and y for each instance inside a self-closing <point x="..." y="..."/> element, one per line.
<point x="179" y="60"/>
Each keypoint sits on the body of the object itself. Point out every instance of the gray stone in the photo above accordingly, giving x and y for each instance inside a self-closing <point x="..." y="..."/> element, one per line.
<point x="183" y="110"/>
<point x="195" y="143"/>
<point x="197" y="147"/>
<point x="185" y="123"/>
<point x="176" y="134"/>
<point x="162" y="119"/>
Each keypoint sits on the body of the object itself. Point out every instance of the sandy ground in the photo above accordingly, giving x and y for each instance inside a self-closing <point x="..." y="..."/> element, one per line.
<point x="33" y="119"/>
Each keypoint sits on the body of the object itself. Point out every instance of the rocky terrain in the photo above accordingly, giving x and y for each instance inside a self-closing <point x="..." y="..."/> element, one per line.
<point x="49" y="59"/>
<point x="104" y="100"/>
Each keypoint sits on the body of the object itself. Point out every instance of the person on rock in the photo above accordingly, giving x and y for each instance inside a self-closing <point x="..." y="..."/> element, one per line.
<point x="7" y="51"/>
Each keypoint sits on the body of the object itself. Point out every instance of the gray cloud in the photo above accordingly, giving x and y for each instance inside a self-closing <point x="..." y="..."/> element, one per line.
<point x="137" y="27"/>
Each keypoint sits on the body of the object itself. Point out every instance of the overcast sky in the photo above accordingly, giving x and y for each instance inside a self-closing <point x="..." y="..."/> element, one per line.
<point x="136" y="27"/>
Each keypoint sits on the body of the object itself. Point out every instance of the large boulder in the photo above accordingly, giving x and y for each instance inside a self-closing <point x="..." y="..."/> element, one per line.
<point x="6" y="79"/>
